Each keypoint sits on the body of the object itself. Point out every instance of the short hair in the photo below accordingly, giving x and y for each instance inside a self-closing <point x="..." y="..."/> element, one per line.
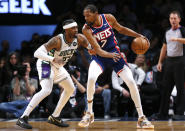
<point x="175" y="12"/>
<point x="68" y="21"/>
<point x="92" y="8"/>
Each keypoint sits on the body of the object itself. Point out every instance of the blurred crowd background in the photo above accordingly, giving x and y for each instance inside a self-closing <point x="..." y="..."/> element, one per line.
<point x="148" y="17"/>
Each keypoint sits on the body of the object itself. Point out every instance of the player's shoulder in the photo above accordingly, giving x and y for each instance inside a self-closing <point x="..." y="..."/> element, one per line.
<point x="86" y="29"/>
<point x="109" y="16"/>
<point x="80" y="37"/>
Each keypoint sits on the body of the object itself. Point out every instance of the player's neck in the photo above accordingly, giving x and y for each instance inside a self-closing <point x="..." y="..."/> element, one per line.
<point x="97" y="22"/>
<point x="68" y="38"/>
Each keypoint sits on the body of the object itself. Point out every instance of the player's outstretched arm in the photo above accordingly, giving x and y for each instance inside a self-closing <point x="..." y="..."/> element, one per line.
<point x="96" y="47"/>
<point x="121" y="29"/>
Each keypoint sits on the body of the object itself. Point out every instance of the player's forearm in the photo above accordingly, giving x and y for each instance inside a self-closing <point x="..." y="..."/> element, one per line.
<point x="41" y="53"/>
<point x="80" y="87"/>
<point x="129" y="32"/>
<point x="103" y="53"/>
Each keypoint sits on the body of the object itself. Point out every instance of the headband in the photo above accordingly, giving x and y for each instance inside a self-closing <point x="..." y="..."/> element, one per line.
<point x="70" y="25"/>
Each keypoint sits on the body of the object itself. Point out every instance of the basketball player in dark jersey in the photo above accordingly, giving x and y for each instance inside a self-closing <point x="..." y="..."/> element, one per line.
<point x="99" y="32"/>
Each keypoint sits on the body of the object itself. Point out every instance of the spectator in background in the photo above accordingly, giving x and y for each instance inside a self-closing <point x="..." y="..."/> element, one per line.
<point x="104" y="93"/>
<point x="8" y="71"/>
<point x="76" y="103"/>
<point x="23" y="89"/>
<point x="2" y="89"/>
<point x="140" y="61"/>
<point x="77" y="99"/>
<point x="5" y="48"/>
<point x="25" y="49"/>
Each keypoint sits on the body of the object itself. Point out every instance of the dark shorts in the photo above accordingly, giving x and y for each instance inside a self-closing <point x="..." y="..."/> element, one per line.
<point x="109" y="62"/>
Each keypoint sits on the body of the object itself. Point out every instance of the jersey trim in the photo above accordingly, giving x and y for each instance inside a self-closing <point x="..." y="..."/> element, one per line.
<point x="119" y="71"/>
<point x="107" y="20"/>
<point x="66" y="40"/>
<point x="99" y="66"/>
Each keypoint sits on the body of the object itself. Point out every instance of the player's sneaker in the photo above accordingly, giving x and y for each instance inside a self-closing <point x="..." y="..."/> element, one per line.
<point x="23" y="122"/>
<point x="57" y="121"/>
<point x="144" y="123"/>
<point x="87" y="119"/>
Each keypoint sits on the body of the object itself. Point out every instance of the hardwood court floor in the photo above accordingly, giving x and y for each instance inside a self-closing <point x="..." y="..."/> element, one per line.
<point x="97" y="126"/>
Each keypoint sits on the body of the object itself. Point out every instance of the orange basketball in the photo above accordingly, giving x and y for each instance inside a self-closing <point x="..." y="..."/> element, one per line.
<point x="140" y="45"/>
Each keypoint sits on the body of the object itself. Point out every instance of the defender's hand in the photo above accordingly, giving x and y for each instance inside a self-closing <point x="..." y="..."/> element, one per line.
<point x="58" y="61"/>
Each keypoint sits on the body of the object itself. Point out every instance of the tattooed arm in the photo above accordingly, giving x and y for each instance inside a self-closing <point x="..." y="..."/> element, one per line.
<point x="53" y="43"/>
<point x="42" y="51"/>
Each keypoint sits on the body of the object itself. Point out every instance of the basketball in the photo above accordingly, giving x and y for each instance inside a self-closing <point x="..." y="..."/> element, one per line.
<point x="140" y="45"/>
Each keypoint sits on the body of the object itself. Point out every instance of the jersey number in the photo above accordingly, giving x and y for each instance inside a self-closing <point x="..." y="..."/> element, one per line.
<point x="104" y="42"/>
<point x="65" y="59"/>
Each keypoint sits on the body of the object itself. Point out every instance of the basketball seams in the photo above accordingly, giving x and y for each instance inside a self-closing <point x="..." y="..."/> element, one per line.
<point x="140" y="45"/>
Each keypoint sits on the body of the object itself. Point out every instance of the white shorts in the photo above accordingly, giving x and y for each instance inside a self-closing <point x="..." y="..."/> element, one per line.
<point x="47" y="70"/>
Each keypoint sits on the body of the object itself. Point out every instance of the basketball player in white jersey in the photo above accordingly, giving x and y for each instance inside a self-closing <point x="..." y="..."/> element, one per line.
<point x="52" y="56"/>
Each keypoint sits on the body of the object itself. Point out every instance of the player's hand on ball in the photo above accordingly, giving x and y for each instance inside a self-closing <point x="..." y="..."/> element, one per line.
<point x="140" y="45"/>
<point x="116" y="56"/>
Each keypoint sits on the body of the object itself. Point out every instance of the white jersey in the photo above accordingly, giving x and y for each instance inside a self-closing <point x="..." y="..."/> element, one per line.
<point x="53" y="70"/>
<point x="66" y="52"/>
